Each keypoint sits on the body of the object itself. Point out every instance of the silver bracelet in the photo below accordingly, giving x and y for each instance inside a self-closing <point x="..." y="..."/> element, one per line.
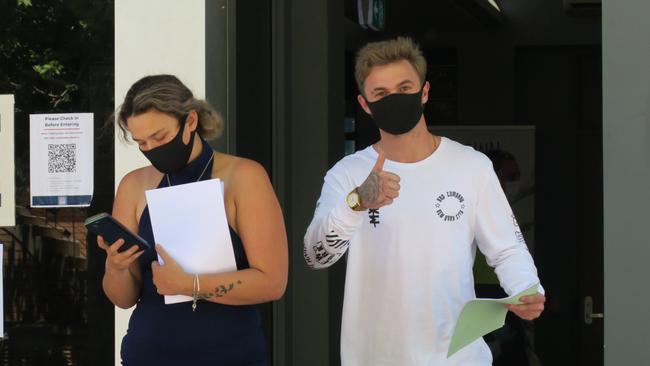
<point x="195" y="291"/>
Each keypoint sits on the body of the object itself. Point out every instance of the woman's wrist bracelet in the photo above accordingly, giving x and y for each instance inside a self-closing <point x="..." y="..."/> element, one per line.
<point x="195" y="291"/>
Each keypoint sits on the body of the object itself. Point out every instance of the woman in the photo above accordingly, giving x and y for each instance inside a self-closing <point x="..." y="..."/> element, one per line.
<point x="170" y="127"/>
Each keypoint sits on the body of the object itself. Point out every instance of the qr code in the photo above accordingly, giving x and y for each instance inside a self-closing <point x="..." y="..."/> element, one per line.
<point x="61" y="158"/>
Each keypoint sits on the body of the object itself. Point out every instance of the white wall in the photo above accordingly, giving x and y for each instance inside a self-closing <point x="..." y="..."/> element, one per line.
<point x="153" y="37"/>
<point x="626" y="149"/>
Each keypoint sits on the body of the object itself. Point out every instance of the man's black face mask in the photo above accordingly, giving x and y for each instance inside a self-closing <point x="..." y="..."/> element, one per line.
<point x="397" y="113"/>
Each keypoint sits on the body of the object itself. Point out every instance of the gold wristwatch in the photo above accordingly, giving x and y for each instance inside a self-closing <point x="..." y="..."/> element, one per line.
<point x="354" y="200"/>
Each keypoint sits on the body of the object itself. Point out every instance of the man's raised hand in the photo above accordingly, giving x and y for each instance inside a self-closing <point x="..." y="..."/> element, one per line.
<point x="381" y="187"/>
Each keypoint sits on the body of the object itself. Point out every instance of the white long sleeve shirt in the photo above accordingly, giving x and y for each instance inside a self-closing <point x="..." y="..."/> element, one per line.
<point x="409" y="267"/>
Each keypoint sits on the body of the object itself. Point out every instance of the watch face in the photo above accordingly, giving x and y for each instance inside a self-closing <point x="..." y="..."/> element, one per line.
<point x="353" y="199"/>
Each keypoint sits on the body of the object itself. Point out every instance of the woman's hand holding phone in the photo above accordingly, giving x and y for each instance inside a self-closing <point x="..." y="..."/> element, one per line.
<point x="118" y="261"/>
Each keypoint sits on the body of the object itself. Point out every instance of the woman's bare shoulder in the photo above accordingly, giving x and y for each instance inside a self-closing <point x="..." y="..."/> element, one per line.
<point x="237" y="169"/>
<point x="138" y="180"/>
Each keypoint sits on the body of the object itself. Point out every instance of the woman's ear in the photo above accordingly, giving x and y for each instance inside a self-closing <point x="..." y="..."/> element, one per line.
<point x="192" y="121"/>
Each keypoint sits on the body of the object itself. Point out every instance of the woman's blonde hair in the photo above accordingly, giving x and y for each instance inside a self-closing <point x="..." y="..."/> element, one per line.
<point x="167" y="94"/>
<point x="387" y="52"/>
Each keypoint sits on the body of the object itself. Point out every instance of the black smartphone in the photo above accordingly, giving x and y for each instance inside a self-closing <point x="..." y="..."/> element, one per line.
<point x="111" y="230"/>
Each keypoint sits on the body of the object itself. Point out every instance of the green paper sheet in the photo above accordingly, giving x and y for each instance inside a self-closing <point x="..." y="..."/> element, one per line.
<point x="481" y="316"/>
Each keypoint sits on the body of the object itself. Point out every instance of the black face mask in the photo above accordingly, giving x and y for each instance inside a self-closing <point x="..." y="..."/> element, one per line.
<point x="397" y="113"/>
<point x="172" y="156"/>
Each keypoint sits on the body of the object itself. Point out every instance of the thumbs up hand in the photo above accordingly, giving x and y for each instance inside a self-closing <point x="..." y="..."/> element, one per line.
<point x="381" y="187"/>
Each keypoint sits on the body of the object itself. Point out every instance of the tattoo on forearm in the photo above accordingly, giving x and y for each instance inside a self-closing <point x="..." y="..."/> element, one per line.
<point x="369" y="190"/>
<point x="219" y="291"/>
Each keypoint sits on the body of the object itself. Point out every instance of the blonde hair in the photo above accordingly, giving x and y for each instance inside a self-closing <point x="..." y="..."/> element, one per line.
<point x="166" y="93"/>
<point x="387" y="52"/>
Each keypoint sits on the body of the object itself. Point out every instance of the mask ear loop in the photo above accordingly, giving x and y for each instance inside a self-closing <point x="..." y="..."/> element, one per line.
<point x="182" y="121"/>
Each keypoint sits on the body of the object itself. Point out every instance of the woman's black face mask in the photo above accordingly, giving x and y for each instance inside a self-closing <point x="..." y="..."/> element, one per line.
<point x="172" y="156"/>
<point x="397" y="113"/>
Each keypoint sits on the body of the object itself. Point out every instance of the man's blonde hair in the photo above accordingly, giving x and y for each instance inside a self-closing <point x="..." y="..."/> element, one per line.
<point x="387" y="52"/>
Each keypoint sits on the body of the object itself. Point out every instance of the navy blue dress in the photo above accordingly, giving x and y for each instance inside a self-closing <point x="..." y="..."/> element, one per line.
<point x="214" y="334"/>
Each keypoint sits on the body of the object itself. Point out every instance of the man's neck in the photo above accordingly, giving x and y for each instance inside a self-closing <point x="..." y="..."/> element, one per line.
<point x="411" y="147"/>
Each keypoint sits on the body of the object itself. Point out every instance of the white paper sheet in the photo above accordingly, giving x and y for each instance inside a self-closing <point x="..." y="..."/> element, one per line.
<point x="189" y="221"/>
<point x="61" y="159"/>
<point x="7" y="185"/>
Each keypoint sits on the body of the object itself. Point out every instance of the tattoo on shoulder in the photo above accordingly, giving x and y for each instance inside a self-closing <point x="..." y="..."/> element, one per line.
<point x="220" y="291"/>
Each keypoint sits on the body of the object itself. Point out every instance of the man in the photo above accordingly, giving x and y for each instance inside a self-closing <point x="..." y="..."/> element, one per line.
<point x="410" y="211"/>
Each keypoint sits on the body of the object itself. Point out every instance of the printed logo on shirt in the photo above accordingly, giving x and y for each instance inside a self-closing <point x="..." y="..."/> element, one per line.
<point x="450" y="206"/>
<point x="322" y="256"/>
<point x="520" y="237"/>
<point x="307" y="257"/>
<point x="518" y="234"/>
<point x="373" y="215"/>
<point x="334" y="241"/>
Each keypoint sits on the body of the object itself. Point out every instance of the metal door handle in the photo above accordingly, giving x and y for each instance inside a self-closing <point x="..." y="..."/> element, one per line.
<point x="589" y="308"/>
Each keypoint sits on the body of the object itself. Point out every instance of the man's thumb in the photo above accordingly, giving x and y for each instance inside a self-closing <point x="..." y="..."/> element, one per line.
<point x="381" y="158"/>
